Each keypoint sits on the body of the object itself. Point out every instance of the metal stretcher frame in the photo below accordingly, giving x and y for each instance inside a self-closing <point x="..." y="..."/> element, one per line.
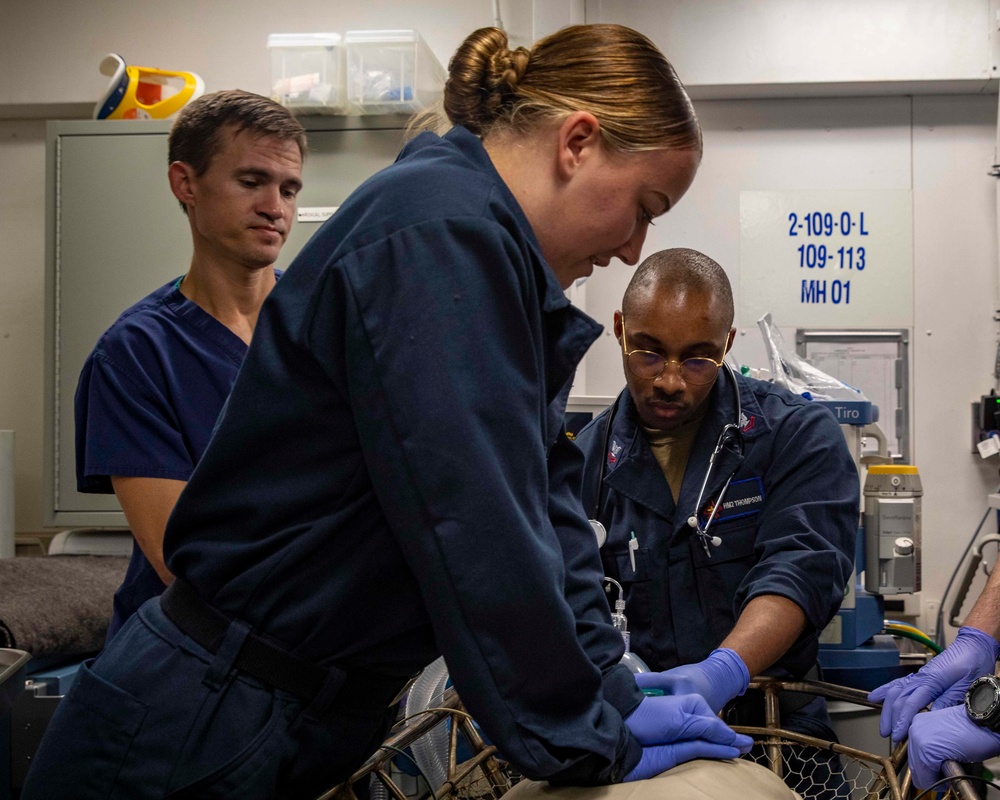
<point x="483" y="763"/>
<point x="892" y="781"/>
<point x="891" y="774"/>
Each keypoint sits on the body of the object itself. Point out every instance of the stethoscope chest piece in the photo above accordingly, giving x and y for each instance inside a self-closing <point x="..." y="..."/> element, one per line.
<point x="600" y="532"/>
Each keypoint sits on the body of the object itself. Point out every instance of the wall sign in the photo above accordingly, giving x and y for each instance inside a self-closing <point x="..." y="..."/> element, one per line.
<point x="826" y="259"/>
<point x="316" y="213"/>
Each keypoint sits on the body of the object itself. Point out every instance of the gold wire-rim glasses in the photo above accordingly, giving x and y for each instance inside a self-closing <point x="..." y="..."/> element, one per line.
<point x="695" y="370"/>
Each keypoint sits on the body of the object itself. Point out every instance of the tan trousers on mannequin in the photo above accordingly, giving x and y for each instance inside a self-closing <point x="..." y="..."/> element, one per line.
<point x="696" y="780"/>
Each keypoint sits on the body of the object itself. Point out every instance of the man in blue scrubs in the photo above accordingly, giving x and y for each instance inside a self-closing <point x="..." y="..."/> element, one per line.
<point x="151" y="390"/>
<point x="751" y="597"/>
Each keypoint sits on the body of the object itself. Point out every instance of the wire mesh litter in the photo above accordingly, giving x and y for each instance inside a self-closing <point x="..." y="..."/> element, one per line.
<point x="819" y="769"/>
<point x="816" y="769"/>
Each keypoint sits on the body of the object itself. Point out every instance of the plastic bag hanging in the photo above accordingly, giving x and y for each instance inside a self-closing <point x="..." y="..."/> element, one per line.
<point x="796" y="374"/>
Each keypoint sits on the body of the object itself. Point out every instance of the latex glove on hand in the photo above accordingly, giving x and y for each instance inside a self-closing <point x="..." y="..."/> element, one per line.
<point x="942" y="680"/>
<point x="719" y="678"/>
<point x="673" y="730"/>
<point x="947" y="733"/>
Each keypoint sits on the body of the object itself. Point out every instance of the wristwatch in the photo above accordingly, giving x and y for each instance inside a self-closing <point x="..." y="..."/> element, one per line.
<point x="982" y="702"/>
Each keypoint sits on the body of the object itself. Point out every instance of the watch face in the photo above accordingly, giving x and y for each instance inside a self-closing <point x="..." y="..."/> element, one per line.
<point x="982" y="701"/>
<point x="981" y="697"/>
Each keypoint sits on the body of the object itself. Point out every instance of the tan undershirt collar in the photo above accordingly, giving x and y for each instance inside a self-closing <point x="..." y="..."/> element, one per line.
<point x="672" y="449"/>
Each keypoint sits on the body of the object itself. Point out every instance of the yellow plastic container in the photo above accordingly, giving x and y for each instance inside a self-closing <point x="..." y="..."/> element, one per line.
<point x="138" y="92"/>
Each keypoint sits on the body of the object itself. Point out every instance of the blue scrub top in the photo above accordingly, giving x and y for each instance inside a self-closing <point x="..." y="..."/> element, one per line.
<point x="788" y="523"/>
<point x="390" y="479"/>
<point x="146" y="403"/>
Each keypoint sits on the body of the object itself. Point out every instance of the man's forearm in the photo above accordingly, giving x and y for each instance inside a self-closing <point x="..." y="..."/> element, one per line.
<point x="768" y="626"/>
<point x="147" y="503"/>
<point x="985" y="614"/>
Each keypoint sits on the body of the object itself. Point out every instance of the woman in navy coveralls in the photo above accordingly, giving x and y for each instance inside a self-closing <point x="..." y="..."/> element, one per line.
<point x="390" y="479"/>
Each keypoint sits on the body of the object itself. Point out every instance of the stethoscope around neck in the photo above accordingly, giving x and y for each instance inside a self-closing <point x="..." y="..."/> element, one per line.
<point x="730" y="438"/>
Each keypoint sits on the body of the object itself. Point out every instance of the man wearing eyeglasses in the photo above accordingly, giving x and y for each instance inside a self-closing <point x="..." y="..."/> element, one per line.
<point x="730" y="570"/>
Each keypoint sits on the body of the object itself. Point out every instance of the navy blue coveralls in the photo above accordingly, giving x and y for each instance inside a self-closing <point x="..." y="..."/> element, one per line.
<point x="788" y="523"/>
<point x="390" y="480"/>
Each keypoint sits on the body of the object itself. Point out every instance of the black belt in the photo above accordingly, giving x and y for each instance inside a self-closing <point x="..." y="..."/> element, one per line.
<point x="271" y="664"/>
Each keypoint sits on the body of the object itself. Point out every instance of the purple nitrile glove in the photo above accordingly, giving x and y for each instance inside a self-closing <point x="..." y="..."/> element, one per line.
<point x="673" y="730"/>
<point x="947" y="733"/>
<point x="942" y="680"/>
<point x="719" y="678"/>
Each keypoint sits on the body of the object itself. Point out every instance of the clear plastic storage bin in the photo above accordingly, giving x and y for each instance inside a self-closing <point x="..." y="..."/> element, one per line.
<point x="391" y="72"/>
<point x="307" y="72"/>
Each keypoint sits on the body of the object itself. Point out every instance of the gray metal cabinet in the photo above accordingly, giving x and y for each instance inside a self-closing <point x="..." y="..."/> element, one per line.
<point x="114" y="232"/>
